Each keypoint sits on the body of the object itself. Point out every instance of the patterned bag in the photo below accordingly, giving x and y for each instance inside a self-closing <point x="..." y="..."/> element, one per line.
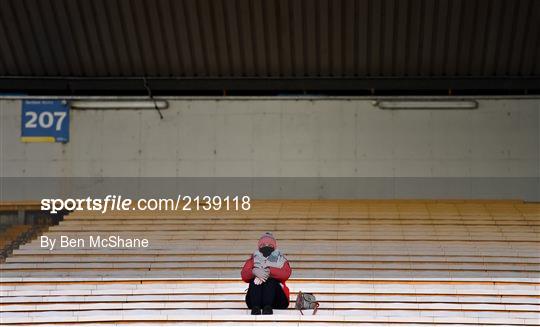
<point x="306" y="301"/>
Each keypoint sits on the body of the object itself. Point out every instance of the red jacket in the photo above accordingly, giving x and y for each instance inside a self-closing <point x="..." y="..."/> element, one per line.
<point x="280" y="274"/>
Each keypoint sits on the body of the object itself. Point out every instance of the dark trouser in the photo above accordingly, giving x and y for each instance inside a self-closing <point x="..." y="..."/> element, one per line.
<point x="268" y="293"/>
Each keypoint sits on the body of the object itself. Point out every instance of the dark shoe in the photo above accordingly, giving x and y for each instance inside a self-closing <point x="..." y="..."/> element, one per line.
<point x="267" y="310"/>
<point x="255" y="311"/>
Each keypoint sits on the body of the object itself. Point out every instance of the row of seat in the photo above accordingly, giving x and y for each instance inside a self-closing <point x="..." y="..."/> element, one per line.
<point x="12" y="236"/>
<point x="368" y="262"/>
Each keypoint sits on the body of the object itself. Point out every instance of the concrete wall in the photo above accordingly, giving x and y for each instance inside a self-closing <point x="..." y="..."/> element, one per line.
<point x="491" y="152"/>
<point x="283" y="138"/>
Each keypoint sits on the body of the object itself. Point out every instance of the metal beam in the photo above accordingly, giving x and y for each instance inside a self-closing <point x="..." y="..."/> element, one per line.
<point x="399" y="85"/>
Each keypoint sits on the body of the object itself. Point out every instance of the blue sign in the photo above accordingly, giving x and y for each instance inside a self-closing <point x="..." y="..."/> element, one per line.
<point x="45" y="121"/>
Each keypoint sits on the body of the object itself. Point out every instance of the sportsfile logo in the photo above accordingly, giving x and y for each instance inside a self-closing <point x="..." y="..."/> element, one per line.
<point x="117" y="202"/>
<point x="110" y="202"/>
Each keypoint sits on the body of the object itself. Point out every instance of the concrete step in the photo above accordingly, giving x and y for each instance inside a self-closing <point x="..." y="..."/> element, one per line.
<point x="480" y="252"/>
<point x="232" y="315"/>
<point x="517" y="310"/>
<point x="308" y="265"/>
<point x="158" y="237"/>
<point x="519" y="301"/>
<point x="45" y="275"/>
<point x="236" y="287"/>
<point x="103" y="257"/>
<point x="378" y="263"/>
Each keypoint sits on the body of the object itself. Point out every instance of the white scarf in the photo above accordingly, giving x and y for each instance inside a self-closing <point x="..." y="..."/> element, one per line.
<point x="274" y="260"/>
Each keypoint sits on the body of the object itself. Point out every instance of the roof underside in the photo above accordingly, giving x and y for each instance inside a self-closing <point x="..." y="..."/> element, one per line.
<point x="98" y="46"/>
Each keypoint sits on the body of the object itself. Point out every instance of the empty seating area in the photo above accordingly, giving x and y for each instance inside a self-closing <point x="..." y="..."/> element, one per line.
<point x="11" y="236"/>
<point x="18" y="227"/>
<point x="410" y="262"/>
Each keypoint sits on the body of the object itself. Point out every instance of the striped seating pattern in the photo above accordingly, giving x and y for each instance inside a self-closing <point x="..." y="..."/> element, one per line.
<point x="11" y="236"/>
<point x="369" y="262"/>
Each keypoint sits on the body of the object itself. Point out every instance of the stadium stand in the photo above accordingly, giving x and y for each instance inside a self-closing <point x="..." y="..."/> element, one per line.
<point x="18" y="227"/>
<point x="369" y="262"/>
<point x="11" y="237"/>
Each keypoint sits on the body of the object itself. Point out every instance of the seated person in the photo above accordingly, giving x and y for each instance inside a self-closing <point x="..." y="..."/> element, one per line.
<point x="266" y="272"/>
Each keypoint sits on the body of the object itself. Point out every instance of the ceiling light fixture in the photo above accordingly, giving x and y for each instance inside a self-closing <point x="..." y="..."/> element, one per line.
<point x="419" y="104"/>
<point x="119" y="104"/>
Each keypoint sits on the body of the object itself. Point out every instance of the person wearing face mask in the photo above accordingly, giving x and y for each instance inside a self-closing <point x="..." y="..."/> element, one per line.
<point x="266" y="271"/>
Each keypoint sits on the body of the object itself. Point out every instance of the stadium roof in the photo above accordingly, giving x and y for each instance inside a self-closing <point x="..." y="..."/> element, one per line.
<point x="190" y="46"/>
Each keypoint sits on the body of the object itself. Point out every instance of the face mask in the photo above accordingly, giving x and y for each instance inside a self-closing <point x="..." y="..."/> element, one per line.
<point x="266" y="250"/>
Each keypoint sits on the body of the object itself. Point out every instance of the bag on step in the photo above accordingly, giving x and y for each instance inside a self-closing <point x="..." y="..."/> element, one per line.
<point x="306" y="301"/>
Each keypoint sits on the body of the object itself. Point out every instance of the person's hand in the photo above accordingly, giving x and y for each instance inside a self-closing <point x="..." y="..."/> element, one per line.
<point x="261" y="273"/>
<point x="257" y="281"/>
